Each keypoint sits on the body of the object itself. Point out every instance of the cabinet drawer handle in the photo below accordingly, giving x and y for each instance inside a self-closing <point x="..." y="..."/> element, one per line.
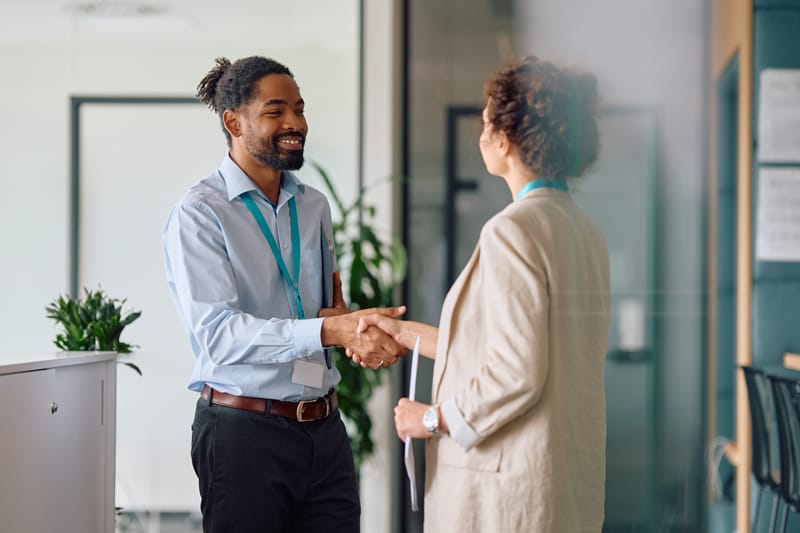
<point x="53" y="408"/>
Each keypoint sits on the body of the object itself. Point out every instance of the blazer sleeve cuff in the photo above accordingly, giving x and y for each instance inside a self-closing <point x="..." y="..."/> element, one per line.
<point x="460" y="430"/>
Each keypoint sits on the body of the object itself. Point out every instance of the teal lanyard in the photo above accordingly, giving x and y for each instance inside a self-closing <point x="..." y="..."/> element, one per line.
<point x="262" y="224"/>
<point x="541" y="183"/>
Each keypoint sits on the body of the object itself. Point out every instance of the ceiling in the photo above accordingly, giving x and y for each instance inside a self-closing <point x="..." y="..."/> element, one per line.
<point x="66" y="20"/>
<point x="58" y="20"/>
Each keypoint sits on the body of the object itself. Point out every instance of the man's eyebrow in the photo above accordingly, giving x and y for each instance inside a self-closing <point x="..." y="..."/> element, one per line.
<point x="278" y="101"/>
<point x="275" y="101"/>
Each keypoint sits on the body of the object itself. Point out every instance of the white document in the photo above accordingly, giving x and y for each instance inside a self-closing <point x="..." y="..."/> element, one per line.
<point x="409" y="450"/>
<point x="779" y="116"/>
<point x="778" y="216"/>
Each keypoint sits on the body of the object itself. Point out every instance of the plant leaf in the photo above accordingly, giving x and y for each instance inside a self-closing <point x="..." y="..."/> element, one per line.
<point x="94" y="322"/>
<point x="134" y="367"/>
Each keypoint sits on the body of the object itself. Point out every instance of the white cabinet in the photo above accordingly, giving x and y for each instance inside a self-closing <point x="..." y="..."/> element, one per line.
<point x="57" y="437"/>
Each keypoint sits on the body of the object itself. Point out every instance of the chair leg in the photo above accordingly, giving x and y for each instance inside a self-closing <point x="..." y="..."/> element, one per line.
<point x="774" y="514"/>
<point x="754" y="525"/>
<point x="784" y="516"/>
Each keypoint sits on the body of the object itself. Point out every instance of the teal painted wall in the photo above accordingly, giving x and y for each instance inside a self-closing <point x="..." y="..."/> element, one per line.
<point x="776" y="285"/>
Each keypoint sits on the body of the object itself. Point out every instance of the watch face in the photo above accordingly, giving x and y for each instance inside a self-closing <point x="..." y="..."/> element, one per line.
<point x="431" y="420"/>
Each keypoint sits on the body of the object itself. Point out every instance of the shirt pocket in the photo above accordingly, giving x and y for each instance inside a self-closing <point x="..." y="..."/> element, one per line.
<point x="311" y="281"/>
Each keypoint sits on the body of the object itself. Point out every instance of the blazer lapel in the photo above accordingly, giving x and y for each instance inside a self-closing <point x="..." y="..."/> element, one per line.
<point x="445" y="326"/>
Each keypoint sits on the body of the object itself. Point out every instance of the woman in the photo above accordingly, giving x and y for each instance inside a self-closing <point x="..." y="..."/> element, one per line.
<point x="516" y="435"/>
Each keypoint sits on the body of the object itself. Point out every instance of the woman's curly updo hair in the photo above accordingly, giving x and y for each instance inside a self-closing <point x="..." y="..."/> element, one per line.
<point x="548" y="114"/>
<point x="231" y="85"/>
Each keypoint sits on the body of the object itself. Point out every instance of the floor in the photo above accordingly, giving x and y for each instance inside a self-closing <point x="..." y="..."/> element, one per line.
<point x="154" y="522"/>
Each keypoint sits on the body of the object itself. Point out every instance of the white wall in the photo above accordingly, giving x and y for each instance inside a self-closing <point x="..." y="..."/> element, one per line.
<point x="316" y="39"/>
<point x="49" y="54"/>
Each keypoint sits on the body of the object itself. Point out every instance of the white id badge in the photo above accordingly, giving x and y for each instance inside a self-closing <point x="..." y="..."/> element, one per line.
<point x="308" y="373"/>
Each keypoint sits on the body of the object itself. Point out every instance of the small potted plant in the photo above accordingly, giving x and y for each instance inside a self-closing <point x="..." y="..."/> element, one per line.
<point x="94" y="322"/>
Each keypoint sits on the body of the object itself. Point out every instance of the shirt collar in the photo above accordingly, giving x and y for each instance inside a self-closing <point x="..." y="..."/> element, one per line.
<point x="238" y="183"/>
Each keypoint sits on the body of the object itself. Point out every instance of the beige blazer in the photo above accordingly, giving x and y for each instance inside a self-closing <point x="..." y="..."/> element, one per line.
<point x="521" y="350"/>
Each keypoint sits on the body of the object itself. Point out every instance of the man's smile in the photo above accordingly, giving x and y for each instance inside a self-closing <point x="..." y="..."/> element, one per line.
<point x="291" y="142"/>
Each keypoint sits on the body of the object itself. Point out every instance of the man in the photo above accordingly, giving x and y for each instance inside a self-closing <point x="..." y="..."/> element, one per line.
<point x="249" y="261"/>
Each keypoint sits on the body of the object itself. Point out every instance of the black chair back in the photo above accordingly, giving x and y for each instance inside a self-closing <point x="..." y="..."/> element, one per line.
<point x="759" y="399"/>
<point x="786" y="393"/>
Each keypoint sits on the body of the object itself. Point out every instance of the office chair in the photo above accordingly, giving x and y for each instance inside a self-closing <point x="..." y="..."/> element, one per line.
<point x="758" y="395"/>
<point x="786" y="393"/>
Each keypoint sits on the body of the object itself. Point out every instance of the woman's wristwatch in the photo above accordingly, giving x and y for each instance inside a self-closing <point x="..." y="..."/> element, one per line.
<point x="430" y="420"/>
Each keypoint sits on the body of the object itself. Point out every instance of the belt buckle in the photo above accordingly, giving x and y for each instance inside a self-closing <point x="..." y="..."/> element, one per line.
<point x="299" y="412"/>
<point x="302" y="403"/>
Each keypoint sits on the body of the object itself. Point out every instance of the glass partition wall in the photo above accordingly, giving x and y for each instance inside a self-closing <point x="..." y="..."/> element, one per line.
<point x="451" y="48"/>
<point x="646" y="192"/>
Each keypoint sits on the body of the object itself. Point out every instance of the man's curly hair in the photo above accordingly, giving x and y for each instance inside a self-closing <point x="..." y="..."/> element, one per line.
<point x="231" y="85"/>
<point x="548" y="114"/>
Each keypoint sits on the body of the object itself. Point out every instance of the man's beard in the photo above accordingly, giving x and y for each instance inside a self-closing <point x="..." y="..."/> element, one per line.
<point x="270" y="154"/>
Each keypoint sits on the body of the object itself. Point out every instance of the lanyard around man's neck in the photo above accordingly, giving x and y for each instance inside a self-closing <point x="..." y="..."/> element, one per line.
<point x="541" y="183"/>
<point x="293" y="281"/>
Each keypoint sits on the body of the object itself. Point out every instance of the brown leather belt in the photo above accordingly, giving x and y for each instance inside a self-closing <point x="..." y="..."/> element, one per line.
<point x="303" y="411"/>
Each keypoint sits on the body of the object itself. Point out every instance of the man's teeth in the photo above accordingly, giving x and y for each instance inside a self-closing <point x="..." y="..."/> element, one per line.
<point x="291" y="141"/>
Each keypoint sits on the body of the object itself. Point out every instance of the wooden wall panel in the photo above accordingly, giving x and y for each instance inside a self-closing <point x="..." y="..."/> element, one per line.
<point x="732" y="33"/>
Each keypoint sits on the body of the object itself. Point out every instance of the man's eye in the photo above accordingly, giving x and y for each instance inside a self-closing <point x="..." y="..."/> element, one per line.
<point x="300" y="111"/>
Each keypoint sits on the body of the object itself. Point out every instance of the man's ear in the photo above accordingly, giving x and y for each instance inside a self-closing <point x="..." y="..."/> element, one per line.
<point x="230" y="119"/>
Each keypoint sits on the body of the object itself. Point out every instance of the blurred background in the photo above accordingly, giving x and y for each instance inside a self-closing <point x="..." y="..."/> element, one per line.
<point x="103" y="135"/>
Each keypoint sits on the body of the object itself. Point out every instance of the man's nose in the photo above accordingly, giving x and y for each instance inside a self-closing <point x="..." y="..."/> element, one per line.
<point x="293" y="122"/>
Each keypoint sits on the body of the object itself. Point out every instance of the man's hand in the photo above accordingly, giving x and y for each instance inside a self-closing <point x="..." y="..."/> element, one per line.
<point x="388" y="325"/>
<point x="375" y="347"/>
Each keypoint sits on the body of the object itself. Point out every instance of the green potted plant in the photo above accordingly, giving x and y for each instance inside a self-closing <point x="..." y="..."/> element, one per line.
<point x="94" y="322"/>
<point x="372" y="268"/>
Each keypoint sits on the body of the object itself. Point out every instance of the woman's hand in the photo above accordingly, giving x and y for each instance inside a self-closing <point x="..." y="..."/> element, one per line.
<point x="408" y="419"/>
<point x="375" y="347"/>
<point x="404" y="333"/>
<point x="390" y="326"/>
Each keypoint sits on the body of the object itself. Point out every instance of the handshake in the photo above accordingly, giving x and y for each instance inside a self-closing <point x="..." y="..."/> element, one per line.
<point x="371" y="337"/>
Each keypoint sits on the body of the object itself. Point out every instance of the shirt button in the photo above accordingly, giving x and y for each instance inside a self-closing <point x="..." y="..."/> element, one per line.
<point x="285" y="246"/>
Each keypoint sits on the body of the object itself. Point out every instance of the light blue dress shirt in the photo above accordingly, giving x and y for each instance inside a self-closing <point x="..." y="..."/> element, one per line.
<point x="238" y="311"/>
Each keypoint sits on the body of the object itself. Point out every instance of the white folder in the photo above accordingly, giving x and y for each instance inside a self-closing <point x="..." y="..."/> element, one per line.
<point x="409" y="449"/>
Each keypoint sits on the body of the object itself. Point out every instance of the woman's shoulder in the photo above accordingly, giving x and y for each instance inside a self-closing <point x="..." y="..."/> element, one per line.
<point x="512" y="228"/>
<point x="529" y="213"/>
<point x="541" y="219"/>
